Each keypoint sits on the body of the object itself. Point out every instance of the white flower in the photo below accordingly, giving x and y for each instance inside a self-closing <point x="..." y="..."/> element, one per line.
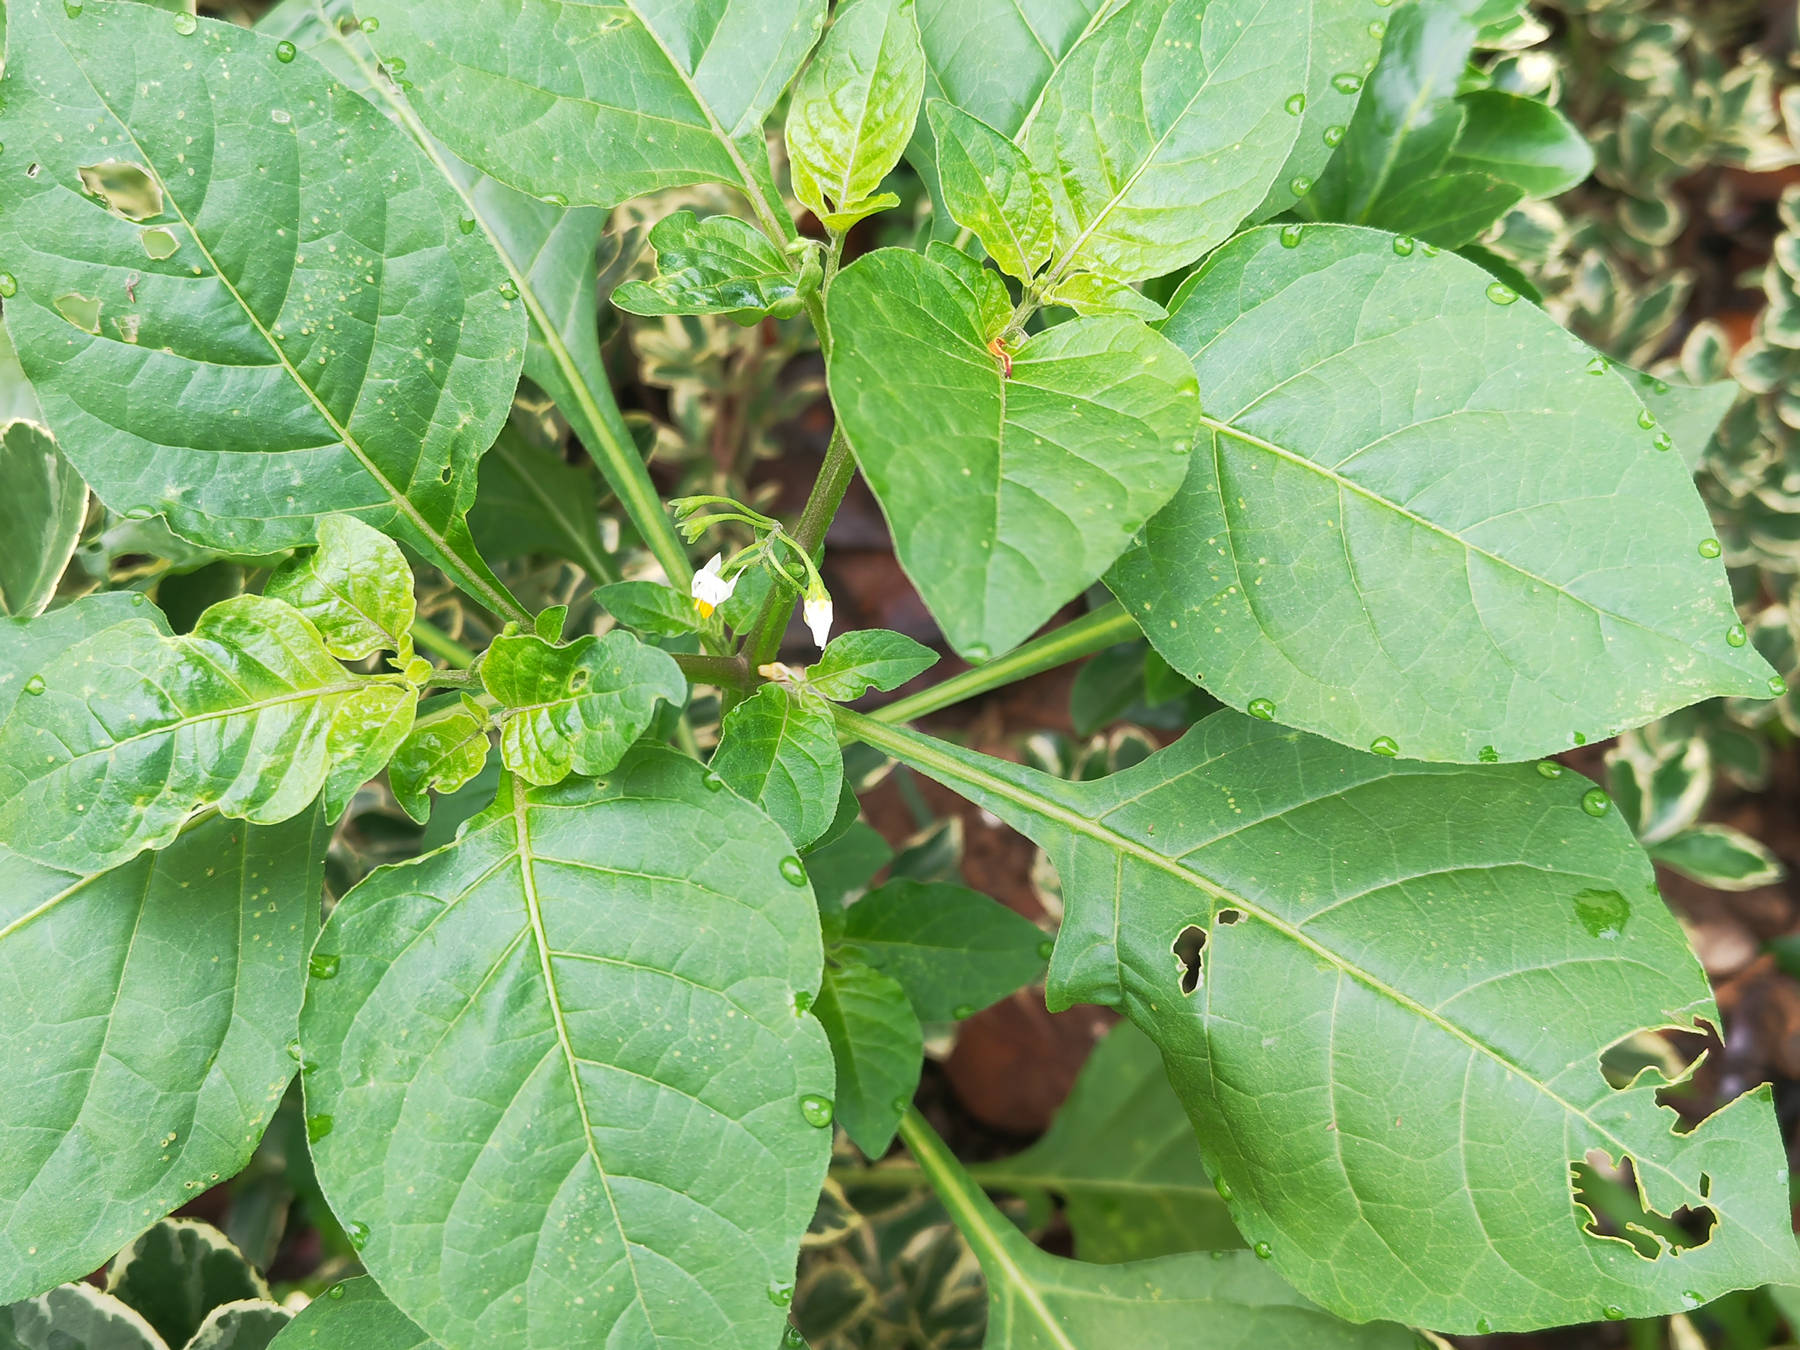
<point x="710" y="590"/>
<point x="817" y="612"/>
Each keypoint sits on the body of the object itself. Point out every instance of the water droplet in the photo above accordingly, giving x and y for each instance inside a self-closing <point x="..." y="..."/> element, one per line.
<point x="1488" y="755"/>
<point x="1385" y="745"/>
<point x="1613" y="1313"/>
<point x="1377" y="29"/>
<point x="791" y="1339"/>
<point x="1430" y="250"/>
<point x="1549" y="768"/>
<point x="1663" y="441"/>
<point x="1579" y="739"/>
<point x="900" y="1104"/>
<point x="280" y="116"/>
<point x="816" y="1109"/>
<point x="1291" y="235"/>
<point x="1296" y="104"/>
<point x="508" y="291"/>
<point x="138" y="598"/>
<point x="793" y="870"/>
<point x="1223" y="1187"/>
<point x="466" y="224"/>
<point x="713" y="782"/>
<point x="781" y="1294"/>
<point x="556" y="199"/>
<point x="1735" y="636"/>
<point x="323" y="966"/>
<point x="802" y="1001"/>
<point x="293" y="1049"/>
<point x="1263" y="709"/>
<point x="9" y="285"/>
<point x="1045" y="949"/>
<point x="1777" y="685"/>
<point x="317" y="1127"/>
<point x="185" y="24"/>
<point x="396" y="66"/>
<point x="1500" y="293"/>
<point x="1692" y="1298"/>
<point x="1483" y="1326"/>
<point x="336" y="1291"/>
<point x="72" y="8"/>
<point x="1659" y="386"/>
<point x="1710" y="548"/>
<point x="1263" y="1251"/>
<point x="1334" y="136"/>
<point x="1404" y="244"/>
<point x="1646" y="419"/>
<point x="1598" y="366"/>
<point x="963" y="1011"/>
<point x="137" y="513"/>
<point x="1595" y="802"/>
<point x="1603" y="913"/>
<point x="1347" y="83"/>
<point x="976" y="654"/>
<point x="285" y="51"/>
<point x="371" y="24"/>
<point x="1301" y="186"/>
<point x="358" y="1233"/>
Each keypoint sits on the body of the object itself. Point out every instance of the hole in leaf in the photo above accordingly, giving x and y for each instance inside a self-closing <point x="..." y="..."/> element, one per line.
<point x="445" y="475"/>
<point x="579" y="680"/>
<point x="127" y="189"/>
<point x="1666" y="1059"/>
<point x="1189" y="943"/>
<point x="1230" y="916"/>
<point x="81" y="310"/>
<point x="1612" y="1208"/>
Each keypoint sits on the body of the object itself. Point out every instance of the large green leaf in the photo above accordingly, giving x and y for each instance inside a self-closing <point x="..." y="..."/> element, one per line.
<point x="177" y="1271"/>
<point x="533" y="502"/>
<point x="42" y="504"/>
<point x="1324" y="566"/>
<point x="1345" y="45"/>
<point x="720" y="265"/>
<point x="1351" y="985"/>
<point x="355" y="588"/>
<point x="125" y="737"/>
<point x="992" y="58"/>
<point x="75" y="1317"/>
<point x="879" y="1047"/>
<point x="1121" y="1153"/>
<point x="779" y="749"/>
<point x="1220" y="1301"/>
<point x="525" y="1157"/>
<point x="323" y="337"/>
<point x="990" y="189"/>
<point x="151" y="1007"/>
<point x="1164" y="127"/>
<point x="353" y="1315"/>
<point x="444" y="751"/>
<point x="575" y="709"/>
<point x="854" y="109"/>
<point x="1007" y="495"/>
<point x="1521" y="141"/>
<point x="601" y="103"/>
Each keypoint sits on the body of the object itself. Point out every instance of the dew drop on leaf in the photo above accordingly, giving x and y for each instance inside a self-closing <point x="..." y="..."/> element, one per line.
<point x="976" y="654"/>
<point x="323" y="966"/>
<point x="791" y="1339"/>
<point x="186" y="23"/>
<point x="317" y="1127"/>
<point x="963" y="1011"/>
<point x="285" y="51"/>
<point x="1347" y="83"/>
<point x="1262" y="709"/>
<point x="816" y="1109"/>
<point x="1614" y="1313"/>
<point x="1777" y="685"/>
<point x="466" y="224"/>
<point x="1500" y="293"/>
<point x="1489" y="755"/>
<point x="72" y="8"/>
<point x="1296" y="104"/>
<point x="1646" y="419"/>
<point x="1334" y="136"/>
<point x="1598" y="366"/>
<point x="802" y="1001"/>
<point x="358" y="1233"/>
<point x="1603" y="913"/>
<point x="781" y="1294"/>
<point x="1291" y="235"/>
<point x="1223" y="1187"/>
<point x="556" y="199"/>
<point x="508" y="291"/>
<point x="714" y="783"/>
<point x="1385" y="745"/>
<point x="900" y="1104"/>
<point x="1710" y="548"/>
<point x="1692" y="1298"/>
<point x="35" y="685"/>
<point x="1404" y="244"/>
<point x="1595" y="802"/>
<point x="1263" y="1251"/>
<point x="1549" y="768"/>
<point x="1663" y="441"/>
<point x="1735" y="635"/>
<point x="370" y="24"/>
<point x="1483" y="1326"/>
<point x="1301" y="186"/>
<point x="794" y="870"/>
<point x="1046" y="948"/>
<point x="1377" y="29"/>
<point x="336" y="1291"/>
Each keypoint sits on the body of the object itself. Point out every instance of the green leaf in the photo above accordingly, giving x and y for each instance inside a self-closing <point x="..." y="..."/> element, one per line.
<point x="1154" y="147"/>
<point x="575" y="709"/>
<point x="532" y="501"/>
<point x="152" y="1006"/>
<point x="177" y="1272"/>
<point x="486" y="1063"/>
<point x="18" y="401"/>
<point x="1122" y="1156"/>
<point x="1689" y="413"/>
<point x="1091" y="293"/>
<point x="953" y="950"/>
<point x="853" y="111"/>
<point x="560" y="98"/>
<point x="650" y="607"/>
<point x="1521" y="141"/>
<point x="1041" y="1302"/>
<point x="998" y="79"/>
<point x="869" y="658"/>
<point x="847" y="864"/>
<point x="1006" y="496"/>
<point x="252" y="1324"/>
<point x="779" y="749"/>
<point x="353" y="1315"/>
<point x="355" y="588"/>
<point x="879" y="1048"/>
<point x="1408" y="119"/>
<point x="1448" y="993"/>
<point x="1320" y="568"/>
<point x="135" y="733"/>
<point x="222" y="398"/>
<point x="442" y="752"/>
<point x="720" y="265"/>
<point x="42" y="505"/>
<point x="1446" y="209"/>
<point x="1345" y="46"/>
<point x="75" y="1317"/>
<point x="1721" y="857"/>
<point x="31" y="644"/>
<point x="991" y="189"/>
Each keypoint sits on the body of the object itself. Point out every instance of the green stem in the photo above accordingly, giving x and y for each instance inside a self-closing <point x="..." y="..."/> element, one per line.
<point x="452" y="679"/>
<point x="439" y="643"/>
<point x="727" y="672"/>
<point x="821" y="505"/>
<point x="1105" y="627"/>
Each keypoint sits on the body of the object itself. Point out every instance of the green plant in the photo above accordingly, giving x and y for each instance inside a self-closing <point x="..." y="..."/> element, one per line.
<point x="568" y="1075"/>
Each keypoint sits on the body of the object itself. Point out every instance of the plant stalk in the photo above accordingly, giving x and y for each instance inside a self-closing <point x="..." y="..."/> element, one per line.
<point x="439" y="643"/>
